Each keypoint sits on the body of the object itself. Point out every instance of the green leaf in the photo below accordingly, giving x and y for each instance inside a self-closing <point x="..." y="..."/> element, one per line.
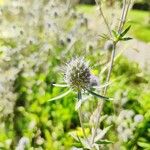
<point x="99" y="96"/>
<point x="77" y="144"/>
<point x="125" y="31"/>
<point x="144" y="145"/>
<point x="104" y="142"/>
<point x="115" y="33"/>
<point x="60" y="96"/>
<point x="60" y="85"/>
<point x="126" y="39"/>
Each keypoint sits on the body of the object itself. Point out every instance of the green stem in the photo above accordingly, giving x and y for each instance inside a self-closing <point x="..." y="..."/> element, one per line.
<point x="80" y="116"/>
<point x="101" y="105"/>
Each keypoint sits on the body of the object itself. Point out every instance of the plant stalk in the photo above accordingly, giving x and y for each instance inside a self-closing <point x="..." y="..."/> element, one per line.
<point x="121" y="25"/>
<point x="101" y="105"/>
<point x="80" y="116"/>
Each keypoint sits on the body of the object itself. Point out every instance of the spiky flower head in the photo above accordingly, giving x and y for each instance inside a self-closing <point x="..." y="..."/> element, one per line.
<point x="77" y="74"/>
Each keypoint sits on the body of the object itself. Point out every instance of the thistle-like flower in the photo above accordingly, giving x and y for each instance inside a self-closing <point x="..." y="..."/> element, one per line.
<point x="78" y="78"/>
<point x="77" y="74"/>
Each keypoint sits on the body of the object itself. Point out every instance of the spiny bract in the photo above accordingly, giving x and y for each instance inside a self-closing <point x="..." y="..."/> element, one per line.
<point x="77" y="74"/>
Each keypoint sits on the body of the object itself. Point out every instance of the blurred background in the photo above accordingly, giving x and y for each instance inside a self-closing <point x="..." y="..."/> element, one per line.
<point x="37" y="37"/>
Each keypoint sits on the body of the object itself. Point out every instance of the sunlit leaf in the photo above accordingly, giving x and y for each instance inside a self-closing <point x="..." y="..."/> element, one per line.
<point x="115" y="33"/>
<point x="60" y="85"/>
<point x="125" y="31"/>
<point x="60" y="96"/>
<point x="144" y="144"/>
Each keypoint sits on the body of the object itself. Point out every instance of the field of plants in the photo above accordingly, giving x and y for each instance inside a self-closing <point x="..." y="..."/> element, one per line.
<point x="65" y="83"/>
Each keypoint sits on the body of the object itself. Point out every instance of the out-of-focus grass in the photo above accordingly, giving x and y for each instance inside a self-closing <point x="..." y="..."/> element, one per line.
<point x="140" y="23"/>
<point x="137" y="18"/>
<point x="88" y="9"/>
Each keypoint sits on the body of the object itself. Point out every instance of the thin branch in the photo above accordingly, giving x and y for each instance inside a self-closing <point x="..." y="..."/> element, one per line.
<point x="122" y="15"/>
<point x="101" y="105"/>
<point x="105" y="20"/>
<point x="80" y="116"/>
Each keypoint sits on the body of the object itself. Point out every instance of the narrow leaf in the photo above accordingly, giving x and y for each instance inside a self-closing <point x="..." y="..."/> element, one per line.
<point x="104" y="36"/>
<point x="60" y="85"/>
<point x="60" y="96"/>
<point x="125" y="31"/>
<point x="77" y="145"/>
<point x="104" y="142"/>
<point x="126" y="39"/>
<point x="99" y="96"/>
<point x="115" y="33"/>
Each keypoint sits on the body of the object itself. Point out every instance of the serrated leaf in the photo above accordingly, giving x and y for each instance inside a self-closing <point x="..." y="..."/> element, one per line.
<point x="99" y="96"/>
<point x="60" y="85"/>
<point x="60" y="96"/>
<point x="104" y="142"/>
<point x="125" y="31"/>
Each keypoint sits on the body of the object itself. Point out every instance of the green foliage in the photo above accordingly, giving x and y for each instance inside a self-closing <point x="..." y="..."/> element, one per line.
<point x="29" y="70"/>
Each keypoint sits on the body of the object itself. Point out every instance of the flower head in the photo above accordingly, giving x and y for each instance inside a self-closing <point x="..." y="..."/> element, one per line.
<point x="77" y="74"/>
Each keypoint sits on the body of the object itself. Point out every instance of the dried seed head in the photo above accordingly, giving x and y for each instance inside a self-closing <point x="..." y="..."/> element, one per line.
<point x="77" y="74"/>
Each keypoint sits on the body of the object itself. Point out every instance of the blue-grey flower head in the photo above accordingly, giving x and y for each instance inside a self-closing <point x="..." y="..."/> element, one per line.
<point x="94" y="81"/>
<point x="77" y="74"/>
<point x="108" y="45"/>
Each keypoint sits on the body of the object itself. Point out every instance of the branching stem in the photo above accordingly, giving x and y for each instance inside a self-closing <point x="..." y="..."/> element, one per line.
<point x="121" y="25"/>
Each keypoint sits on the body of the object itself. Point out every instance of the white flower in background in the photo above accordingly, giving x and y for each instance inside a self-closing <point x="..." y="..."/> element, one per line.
<point x="138" y="118"/>
<point x="23" y="142"/>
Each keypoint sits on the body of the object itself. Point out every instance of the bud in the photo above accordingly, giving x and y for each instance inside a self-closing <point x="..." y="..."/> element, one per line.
<point x="77" y="74"/>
